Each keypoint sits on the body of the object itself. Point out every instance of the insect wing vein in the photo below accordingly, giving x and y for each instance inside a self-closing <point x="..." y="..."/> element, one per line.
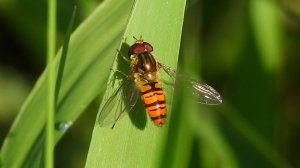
<point x="202" y="93"/>
<point x="121" y="101"/>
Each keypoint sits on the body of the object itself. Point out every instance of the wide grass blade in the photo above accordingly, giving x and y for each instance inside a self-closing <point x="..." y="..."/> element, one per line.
<point x="90" y="56"/>
<point x="135" y="141"/>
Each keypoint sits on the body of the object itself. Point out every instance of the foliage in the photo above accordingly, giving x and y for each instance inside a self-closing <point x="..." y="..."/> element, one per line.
<point x="246" y="50"/>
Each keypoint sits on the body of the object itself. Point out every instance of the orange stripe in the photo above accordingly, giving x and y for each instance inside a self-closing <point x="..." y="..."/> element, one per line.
<point x="160" y="97"/>
<point x="155" y="93"/>
<point x="154" y="103"/>
<point x="151" y="97"/>
<point x="159" y="122"/>
<point x="154" y="113"/>
<point x="157" y="85"/>
<point x="147" y="95"/>
<point x="157" y="112"/>
<point x="145" y="88"/>
<point x="161" y="106"/>
<point x="150" y="100"/>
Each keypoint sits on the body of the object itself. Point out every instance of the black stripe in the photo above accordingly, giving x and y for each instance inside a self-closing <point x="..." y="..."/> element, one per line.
<point x="154" y="103"/>
<point x="158" y="117"/>
<point x="152" y="88"/>
<point x="154" y="94"/>
<point x="148" y="58"/>
<point x="151" y="83"/>
<point x="158" y="108"/>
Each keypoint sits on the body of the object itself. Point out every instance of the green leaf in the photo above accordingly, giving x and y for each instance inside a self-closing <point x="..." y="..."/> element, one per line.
<point x="135" y="141"/>
<point x="90" y="56"/>
<point x="269" y="40"/>
<point x="195" y="137"/>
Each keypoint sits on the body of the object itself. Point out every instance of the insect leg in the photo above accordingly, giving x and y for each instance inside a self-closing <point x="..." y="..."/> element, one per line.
<point x="122" y="73"/>
<point x="140" y="39"/>
<point x="118" y="117"/>
<point x="123" y="57"/>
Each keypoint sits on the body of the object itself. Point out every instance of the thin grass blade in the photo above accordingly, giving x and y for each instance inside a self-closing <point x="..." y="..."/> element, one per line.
<point x="91" y="51"/>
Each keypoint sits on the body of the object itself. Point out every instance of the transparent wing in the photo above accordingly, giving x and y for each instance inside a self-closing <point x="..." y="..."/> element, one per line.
<point x="201" y="92"/>
<point x="122" y="100"/>
<point x="204" y="93"/>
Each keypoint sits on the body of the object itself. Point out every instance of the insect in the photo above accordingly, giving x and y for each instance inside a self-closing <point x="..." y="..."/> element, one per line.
<point x="143" y="80"/>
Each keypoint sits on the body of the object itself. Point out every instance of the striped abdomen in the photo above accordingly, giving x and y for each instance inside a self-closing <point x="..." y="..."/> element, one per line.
<point x="154" y="101"/>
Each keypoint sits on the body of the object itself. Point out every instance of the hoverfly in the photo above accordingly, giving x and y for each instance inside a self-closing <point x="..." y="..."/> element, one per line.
<point x="143" y="80"/>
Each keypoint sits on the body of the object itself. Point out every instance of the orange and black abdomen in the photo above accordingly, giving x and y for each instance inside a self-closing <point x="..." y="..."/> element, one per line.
<point x="154" y="101"/>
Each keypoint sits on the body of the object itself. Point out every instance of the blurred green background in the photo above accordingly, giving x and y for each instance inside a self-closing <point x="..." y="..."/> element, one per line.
<point x="248" y="51"/>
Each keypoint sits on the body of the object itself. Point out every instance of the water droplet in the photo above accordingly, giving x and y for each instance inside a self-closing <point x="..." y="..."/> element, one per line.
<point x="63" y="126"/>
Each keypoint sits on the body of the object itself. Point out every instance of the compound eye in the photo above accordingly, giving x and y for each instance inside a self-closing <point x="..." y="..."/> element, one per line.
<point x="136" y="49"/>
<point x="148" y="47"/>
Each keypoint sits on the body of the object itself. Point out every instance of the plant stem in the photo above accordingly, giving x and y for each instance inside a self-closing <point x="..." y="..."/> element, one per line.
<point x="49" y="145"/>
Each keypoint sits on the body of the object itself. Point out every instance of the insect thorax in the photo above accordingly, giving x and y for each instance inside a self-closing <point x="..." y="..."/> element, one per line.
<point x="144" y="67"/>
